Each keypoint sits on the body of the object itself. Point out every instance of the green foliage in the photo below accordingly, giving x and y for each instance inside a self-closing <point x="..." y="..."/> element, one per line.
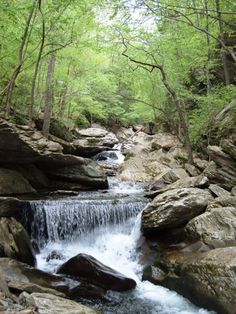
<point x="95" y="82"/>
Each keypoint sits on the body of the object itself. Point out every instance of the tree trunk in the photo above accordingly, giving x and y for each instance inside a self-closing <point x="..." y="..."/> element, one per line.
<point x="49" y="95"/>
<point x="222" y="37"/>
<point x="36" y="69"/>
<point x="11" y="84"/>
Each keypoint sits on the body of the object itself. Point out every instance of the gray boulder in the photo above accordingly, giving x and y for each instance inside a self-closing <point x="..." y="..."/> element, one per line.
<point x="174" y="208"/>
<point x="208" y="279"/>
<point x="46" y="303"/>
<point x="216" y="228"/>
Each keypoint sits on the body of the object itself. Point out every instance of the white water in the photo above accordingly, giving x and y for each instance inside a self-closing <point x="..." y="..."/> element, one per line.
<point x="115" y="245"/>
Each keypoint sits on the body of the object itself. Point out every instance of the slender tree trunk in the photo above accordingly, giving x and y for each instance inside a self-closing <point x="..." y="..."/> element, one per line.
<point x="11" y="84"/>
<point x="49" y="95"/>
<point x="36" y="69"/>
<point x="222" y="37"/>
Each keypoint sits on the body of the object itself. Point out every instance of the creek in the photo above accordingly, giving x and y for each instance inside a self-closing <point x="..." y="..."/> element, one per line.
<point x="105" y="225"/>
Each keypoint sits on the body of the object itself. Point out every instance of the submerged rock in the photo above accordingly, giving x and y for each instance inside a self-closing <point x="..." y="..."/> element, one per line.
<point x="207" y="279"/>
<point x="174" y="208"/>
<point x="15" y="242"/>
<point x="87" y="268"/>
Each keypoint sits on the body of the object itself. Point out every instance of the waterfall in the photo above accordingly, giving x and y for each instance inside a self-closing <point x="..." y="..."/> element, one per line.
<point x="66" y="219"/>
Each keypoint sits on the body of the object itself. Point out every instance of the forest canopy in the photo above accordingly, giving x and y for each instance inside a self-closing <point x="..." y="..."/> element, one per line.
<point x="169" y="62"/>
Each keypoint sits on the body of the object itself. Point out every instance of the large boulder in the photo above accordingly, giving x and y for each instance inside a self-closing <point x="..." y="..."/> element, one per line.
<point x="94" y="141"/>
<point x="46" y="303"/>
<point x="87" y="268"/>
<point x="222" y="170"/>
<point x="89" y="174"/>
<point x="24" y="146"/>
<point x="222" y="201"/>
<point x="174" y="208"/>
<point x="216" y="228"/>
<point x="15" y="242"/>
<point x="229" y="147"/>
<point x="208" y="279"/>
<point x="12" y="182"/>
<point x="11" y="207"/>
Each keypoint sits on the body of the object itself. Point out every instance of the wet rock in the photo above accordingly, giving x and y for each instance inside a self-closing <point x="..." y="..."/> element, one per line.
<point x="207" y="279"/>
<point x="87" y="291"/>
<point x="174" y="208"/>
<point x="218" y="191"/>
<point x="15" y="241"/>
<point x="11" y="207"/>
<point x="216" y="228"/>
<point x="12" y="182"/>
<point x="50" y="304"/>
<point x="87" y="268"/>
<point x="54" y="255"/>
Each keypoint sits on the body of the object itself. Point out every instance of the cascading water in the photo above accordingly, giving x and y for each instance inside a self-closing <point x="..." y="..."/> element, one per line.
<point x="106" y="226"/>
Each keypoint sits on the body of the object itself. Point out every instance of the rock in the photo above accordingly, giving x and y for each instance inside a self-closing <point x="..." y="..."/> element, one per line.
<point x="34" y="176"/>
<point x="174" y="174"/>
<point x="87" y="268"/>
<point x="54" y="255"/>
<point x="190" y="182"/>
<point x="89" y="174"/>
<point x="164" y="141"/>
<point x="207" y="279"/>
<point x="229" y="147"/>
<point x="233" y="191"/>
<point x="90" y="146"/>
<point x="218" y="191"/>
<point x="12" y="182"/>
<point x="57" y="128"/>
<point x="24" y="277"/>
<point x="87" y="291"/>
<point x="192" y="170"/>
<point x="223" y="201"/>
<point x="93" y="132"/>
<point x="174" y="208"/>
<point x="12" y="207"/>
<point x="201" y="164"/>
<point x="50" y="304"/>
<point x="216" y="228"/>
<point x="220" y="157"/>
<point x="15" y="241"/>
<point x="224" y="177"/>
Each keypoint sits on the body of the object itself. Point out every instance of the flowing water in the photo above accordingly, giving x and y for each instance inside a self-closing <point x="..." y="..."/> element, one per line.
<point x="106" y="226"/>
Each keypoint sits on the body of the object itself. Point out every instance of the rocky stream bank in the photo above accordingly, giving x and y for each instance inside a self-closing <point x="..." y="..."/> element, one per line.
<point x="189" y="224"/>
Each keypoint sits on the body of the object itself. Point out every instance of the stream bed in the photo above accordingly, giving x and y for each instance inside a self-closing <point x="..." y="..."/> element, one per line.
<point x="106" y="225"/>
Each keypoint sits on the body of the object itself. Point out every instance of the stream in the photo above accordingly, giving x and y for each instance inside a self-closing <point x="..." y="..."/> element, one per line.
<point x="106" y="225"/>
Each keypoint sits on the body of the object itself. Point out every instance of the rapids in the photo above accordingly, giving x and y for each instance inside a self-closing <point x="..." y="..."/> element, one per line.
<point x="106" y="226"/>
